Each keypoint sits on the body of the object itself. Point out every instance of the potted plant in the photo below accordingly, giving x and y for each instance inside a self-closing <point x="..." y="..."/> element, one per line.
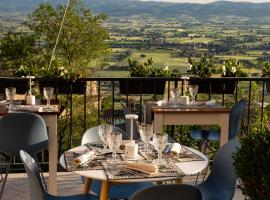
<point x="63" y="80"/>
<point x="252" y="165"/>
<point x="201" y="68"/>
<point x="146" y="69"/>
<point x="266" y="73"/>
<point x="205" y="68"/>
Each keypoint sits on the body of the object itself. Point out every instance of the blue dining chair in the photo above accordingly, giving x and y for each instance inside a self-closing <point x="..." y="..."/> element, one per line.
<point x="170" y="192"/>
<point x="36" y="187"/>
<point x="118" y="191"/>
<point x="235" y="117"/>
<point x="21" y="130"/>
<point x="220" y="184"/>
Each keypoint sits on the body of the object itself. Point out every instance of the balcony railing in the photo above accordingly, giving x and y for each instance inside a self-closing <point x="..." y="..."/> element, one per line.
<point x="100" y="101"/>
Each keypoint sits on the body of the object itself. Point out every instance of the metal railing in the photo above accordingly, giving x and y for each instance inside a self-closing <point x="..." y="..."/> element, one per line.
<point x="101" y="101"/>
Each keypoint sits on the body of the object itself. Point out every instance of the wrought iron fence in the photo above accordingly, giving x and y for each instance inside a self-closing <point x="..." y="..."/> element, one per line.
<point x="100" y="99"/>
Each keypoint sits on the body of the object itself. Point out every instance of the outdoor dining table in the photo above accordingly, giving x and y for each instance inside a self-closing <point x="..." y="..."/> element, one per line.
<point x="191" y="164"/>
<point x="192" y="115"/>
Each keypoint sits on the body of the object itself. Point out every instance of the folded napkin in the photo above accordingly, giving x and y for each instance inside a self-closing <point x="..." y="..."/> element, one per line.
<point x="175" y="149"/>
<point x="85" y="158"/>
<point x="142" y="167"/>
<point x="211" y="103"/>
<point x="4" y="102"/>
<point x="161" y="102"/>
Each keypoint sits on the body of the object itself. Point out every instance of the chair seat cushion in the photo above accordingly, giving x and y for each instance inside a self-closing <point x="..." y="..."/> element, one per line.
<point x="199" y="134"/>
<point x="120" y="191"/>
<point x="210" y="191"/>
<point x="73" y="197"/>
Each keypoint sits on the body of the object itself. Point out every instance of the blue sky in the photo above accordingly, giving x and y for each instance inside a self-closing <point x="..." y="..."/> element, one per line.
<point x="208" y="1"/>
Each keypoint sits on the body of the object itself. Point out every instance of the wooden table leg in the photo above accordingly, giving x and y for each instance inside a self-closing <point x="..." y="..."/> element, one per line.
<point x="87" y="185"/>
<point x="179" y="180"/>
<point x="159" y="182"/>
<point x="104" y="193"/>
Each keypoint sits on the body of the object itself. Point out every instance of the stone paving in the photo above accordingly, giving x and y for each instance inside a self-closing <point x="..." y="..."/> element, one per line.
<point x="68" y="184"/>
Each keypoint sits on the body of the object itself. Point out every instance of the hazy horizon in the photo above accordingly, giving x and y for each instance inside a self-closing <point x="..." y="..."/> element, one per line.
<point x="209" y="1"/>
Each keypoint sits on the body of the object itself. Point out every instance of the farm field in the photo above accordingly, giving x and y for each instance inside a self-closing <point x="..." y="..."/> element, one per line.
<point x="171" y="41"/>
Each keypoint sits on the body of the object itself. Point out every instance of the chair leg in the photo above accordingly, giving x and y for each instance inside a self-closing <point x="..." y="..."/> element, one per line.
<point x="5" y="178"/>
<point x="203" y="149"/>
<point x="41" y="173"/>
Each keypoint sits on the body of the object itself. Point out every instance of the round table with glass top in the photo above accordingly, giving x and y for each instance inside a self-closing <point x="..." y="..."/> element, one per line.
<point x="186" y="167"/>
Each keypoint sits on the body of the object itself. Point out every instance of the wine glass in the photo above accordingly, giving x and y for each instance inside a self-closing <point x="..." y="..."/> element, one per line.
<point x="114" y="144"/>
<point x="10" y="95"/>
<point x="174" y="94"/>
<point x="160" y="141"/>
<point x="146" y="133"/>
<point x="48" y="93"/>
<point x="104" y="132"/>
<point x="193" y="90"/>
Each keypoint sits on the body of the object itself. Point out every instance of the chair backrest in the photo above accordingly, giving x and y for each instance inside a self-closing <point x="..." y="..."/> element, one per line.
<point x="222" y="177"/>
<point x="37" y="190"/>
<point x="235" y="118"/>
<point x="171" y="192"/>
<point x="91" y="135"/>
<point x="136" y="134"/>
<point x="22" y="131"/>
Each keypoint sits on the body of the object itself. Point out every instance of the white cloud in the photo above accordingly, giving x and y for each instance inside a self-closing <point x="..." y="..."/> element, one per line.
<point x="208" y="1"/>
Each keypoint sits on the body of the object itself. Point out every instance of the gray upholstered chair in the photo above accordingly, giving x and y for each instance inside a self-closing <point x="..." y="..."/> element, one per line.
<point x="36" y="187"/>
<point x="220" y="184"/>
<point x="18" y="131"/>
<point x="170" y="192"/>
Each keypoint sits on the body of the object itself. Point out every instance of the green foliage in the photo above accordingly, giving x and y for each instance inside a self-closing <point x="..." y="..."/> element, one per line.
<point x="17" y="49"/>
<point x="252" y="165"/>
<point x="204" y="67"/>
<point x="147" y="69"/>
<point x="82" y="38"/>
<point x="266" y="69"/>
<point x="81" y="46"/>
<point x="251" y="120"/>
<point x="232" y="68"/>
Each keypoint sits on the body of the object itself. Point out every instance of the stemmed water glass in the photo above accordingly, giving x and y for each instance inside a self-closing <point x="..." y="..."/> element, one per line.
<point x="104" y="131"/>
<point x="146" y="133"/>
<point x="174" y="94"/>
<point x="114" y="142"/>
<point x="193" y="90"/>
<point x="160" y="141"/>
<point x="10" y="95"/>
<point x="48" y="93"/>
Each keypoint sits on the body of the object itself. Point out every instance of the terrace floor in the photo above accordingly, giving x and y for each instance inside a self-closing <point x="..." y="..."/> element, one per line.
<point x="68" y="184"/>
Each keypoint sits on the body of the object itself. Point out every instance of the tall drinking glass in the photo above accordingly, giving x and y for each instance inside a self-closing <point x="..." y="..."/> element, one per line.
<point x="160" y="141"/>
<point x="174" y="94"/>
<point x="146" y="133"/>
<point x="104" y="131"/>
<point x="10" y="96"/>
<point x="114" y="144"/>
<point x="48" y="93"/>
<point x="193" y="90"/>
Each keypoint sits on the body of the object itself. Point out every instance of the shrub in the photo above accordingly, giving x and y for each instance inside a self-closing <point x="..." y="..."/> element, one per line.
<point x="252" y="165"/>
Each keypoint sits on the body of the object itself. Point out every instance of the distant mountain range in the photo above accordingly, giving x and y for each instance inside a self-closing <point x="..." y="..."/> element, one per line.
<point x="158" y="9"/>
